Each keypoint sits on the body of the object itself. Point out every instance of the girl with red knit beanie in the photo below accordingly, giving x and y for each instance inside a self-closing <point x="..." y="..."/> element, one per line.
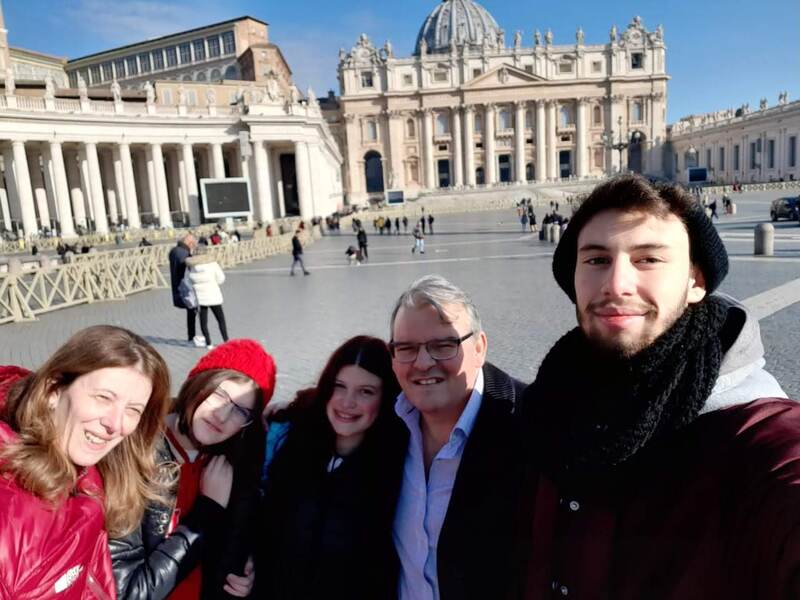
<point x="199" y="546"/>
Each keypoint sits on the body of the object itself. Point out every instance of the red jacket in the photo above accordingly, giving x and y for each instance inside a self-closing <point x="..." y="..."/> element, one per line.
<point x="716" y="515"/>
<point x="44" y="553"/>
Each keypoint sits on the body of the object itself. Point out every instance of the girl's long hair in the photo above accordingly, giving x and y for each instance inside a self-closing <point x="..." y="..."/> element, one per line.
<point x="37" y="461"/>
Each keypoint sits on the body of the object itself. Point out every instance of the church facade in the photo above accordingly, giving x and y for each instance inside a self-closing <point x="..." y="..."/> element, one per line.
<point x="467" y="110"/>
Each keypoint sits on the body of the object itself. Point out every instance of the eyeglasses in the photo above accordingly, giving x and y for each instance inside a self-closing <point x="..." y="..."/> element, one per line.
<point x="442" y="349"/>
<point x="238" y="415"/>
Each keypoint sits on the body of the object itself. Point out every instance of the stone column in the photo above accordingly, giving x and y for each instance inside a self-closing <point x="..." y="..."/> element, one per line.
<point x="162" y="195"/>
<point x="75" y="189"/>
<point x="613" y="128"/>
<point x="61" y="190"/>
<point x="119" y="182"/>
<point x="129" y="183"/>
<point x="109" y="183"/>
<point x="519" y="139"/>
<point x="83" y="165"/>
<point x="580" y="138"/>
<point x="458" y="150"/>
<point x="264" y="182"/>
<point x="277" y="175"/>
<point x="152" y="190"/>
<point x="488" y="145"/>
<point x="5" y="213"/>
<point x="96" y="186"/>
<point x="469" y="143"/>
<point x="541" y="154"/>
<point x="192" y="196"/>
<point x="39" y="191"/>
<point x="182" y="193"/>
<point x="427" y="132"/>
<point x="173" y="180"/>
<point x="24" y="191"/>
<point x="49" y="183"/>
<point x="303" y="179"/>
<point x="396" y="135"/>
<point x="14" y="207"/>
<point x="218" y="162"/>
<point x="552" y="147"/>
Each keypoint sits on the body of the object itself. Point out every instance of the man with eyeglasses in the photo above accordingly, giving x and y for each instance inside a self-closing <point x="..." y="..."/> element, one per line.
<point x="454" y="524"/>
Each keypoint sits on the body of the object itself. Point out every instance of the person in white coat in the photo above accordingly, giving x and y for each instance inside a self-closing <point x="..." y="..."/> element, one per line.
<point x="206" y="276"/>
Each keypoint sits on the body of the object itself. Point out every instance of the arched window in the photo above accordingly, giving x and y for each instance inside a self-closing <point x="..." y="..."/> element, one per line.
<point x="637" y="112"/>
<point x="504" y="119"/>
<point x="566" y="116"/>
<point x="216" y="75"/>
<point x="231" y="73"/>
<point x="530" y="172"/>
<point x="480" y="176"/>
<point x="442" y="123"/>
<point x="597" y="116"/>
<point x="201" y="76"/>
<point x="411" y="129"/>
<point x="371" y="131"/>
<point x="186" y="78"/>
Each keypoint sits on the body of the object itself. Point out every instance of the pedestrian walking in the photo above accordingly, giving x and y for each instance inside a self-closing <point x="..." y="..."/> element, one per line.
<point x="405" y="224"/>
<point x="177" y="270"/>
<point x="297" y="253"/>
<point x="531" y="218"/>
<point x="389" y="226"/>
<point x="419" y="240"/>
<point x="397" y="225"/>
<point x="713" y="208"/>
<point x="205" y="275"/>
<point x="524" y="221"/>
<point x="361" y="236"/>
<point x="422" y="223"/>
<point x="430" y="223"/>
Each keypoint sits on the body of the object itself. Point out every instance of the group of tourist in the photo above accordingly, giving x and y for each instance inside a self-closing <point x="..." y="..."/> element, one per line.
<point x="653" y="456"/>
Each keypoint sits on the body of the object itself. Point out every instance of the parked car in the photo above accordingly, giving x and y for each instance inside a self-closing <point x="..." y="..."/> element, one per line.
<point x="784" y="208"/>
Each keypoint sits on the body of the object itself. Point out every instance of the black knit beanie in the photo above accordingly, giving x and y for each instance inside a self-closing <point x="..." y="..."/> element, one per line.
<point x="625" y="193"/>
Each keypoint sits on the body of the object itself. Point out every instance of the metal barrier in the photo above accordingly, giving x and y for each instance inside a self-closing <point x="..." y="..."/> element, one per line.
<point x="114" y="275"/>
<point x="754" y="187"/>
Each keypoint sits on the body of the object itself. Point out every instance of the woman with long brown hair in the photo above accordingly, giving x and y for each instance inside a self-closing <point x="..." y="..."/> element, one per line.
<point x="197" y="544"/>
<point x="77" y="439"/>
<point x="331" y="491"/>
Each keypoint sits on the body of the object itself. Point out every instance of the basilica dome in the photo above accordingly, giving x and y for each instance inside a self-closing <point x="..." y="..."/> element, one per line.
<point x="464" y="21"/>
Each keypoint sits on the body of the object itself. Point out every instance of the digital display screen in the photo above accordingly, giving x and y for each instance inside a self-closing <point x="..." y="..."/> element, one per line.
<point x="395" y="197"/>
<point x="226" y="197"/>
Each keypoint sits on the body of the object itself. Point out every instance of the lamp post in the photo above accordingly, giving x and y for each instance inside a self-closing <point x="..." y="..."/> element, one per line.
<point x="608" y="142"/>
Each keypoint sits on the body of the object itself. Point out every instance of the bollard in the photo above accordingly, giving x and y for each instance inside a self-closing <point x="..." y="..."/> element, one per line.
<point x="549" y="236"/>
<point x="556" y="234"/>
<point x="764" y="240"/>
<point x="733" y="208"/>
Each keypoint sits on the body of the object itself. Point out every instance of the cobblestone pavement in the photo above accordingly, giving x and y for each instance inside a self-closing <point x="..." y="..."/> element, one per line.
<point x="300" y="320"/>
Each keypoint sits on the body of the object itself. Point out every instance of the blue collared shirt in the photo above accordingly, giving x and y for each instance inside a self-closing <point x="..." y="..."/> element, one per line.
<point x="422" y="505"/>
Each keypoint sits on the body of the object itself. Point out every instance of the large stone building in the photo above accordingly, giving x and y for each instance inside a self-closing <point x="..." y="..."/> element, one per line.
<point x="466" y="110"/>
<point x="128" y="141"/>
<point x="739" y="145"/>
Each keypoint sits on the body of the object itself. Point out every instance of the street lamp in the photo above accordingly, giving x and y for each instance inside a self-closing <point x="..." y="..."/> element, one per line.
<point x="608" y="142"/>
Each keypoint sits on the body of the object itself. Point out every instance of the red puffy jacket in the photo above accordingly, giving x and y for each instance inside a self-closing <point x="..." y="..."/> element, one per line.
<point x="59" y="554"/>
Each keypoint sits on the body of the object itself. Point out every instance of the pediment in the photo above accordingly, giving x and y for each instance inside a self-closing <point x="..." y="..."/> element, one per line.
<point x="503" y="75"/>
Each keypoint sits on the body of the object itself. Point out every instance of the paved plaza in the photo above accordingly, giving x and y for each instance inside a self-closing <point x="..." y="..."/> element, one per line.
<point x="300" y="320"/>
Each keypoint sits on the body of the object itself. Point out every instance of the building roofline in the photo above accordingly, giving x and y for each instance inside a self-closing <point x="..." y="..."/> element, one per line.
<point x="164" y="37"/>
<point x="37" y="54"/>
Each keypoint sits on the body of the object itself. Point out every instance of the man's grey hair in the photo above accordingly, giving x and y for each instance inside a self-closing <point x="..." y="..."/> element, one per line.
<point x="436" y="291"/>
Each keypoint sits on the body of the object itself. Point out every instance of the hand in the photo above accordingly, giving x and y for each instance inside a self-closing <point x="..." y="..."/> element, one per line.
<point x="241" y="586"/>
<point x="217" y="479"/>
<point x="274" y="406"/>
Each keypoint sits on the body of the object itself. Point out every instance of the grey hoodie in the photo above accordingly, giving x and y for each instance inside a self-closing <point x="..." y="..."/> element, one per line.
<point x="742" y="377"/>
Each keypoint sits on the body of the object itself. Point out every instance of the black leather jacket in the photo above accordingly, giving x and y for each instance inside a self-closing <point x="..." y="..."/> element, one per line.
<point x="148" y="565"/>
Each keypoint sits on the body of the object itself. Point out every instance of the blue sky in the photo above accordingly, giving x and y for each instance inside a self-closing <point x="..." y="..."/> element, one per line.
<point x="720" y="53"/>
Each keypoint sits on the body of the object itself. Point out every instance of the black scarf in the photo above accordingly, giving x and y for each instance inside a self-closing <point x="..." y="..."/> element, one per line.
<point x="589" y="412"/>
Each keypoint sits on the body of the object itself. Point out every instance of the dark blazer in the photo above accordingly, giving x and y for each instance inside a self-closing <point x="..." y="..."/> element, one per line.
<point x="476" y="543"/>
<point x="177" y="269"/>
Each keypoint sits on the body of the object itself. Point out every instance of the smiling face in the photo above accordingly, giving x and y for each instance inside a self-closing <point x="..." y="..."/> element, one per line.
<point x="98" y="410"/>
<point x="354" y="405"/>
<point x="438" y="387"/>
<point x="224" y="412"/>
<point x="633" y="278"/>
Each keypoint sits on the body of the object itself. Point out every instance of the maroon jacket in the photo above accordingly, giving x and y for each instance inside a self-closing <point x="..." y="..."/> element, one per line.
<point x="45" y="553"/>
<point x="714" y="514"/>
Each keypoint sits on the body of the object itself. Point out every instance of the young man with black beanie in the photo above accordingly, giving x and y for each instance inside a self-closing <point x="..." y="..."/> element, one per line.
<point x="664" y="460"/>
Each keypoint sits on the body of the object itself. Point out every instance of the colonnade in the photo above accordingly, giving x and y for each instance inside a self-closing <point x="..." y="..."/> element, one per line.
<point x="464" y="138"/>
<point x="96" y="185"/>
